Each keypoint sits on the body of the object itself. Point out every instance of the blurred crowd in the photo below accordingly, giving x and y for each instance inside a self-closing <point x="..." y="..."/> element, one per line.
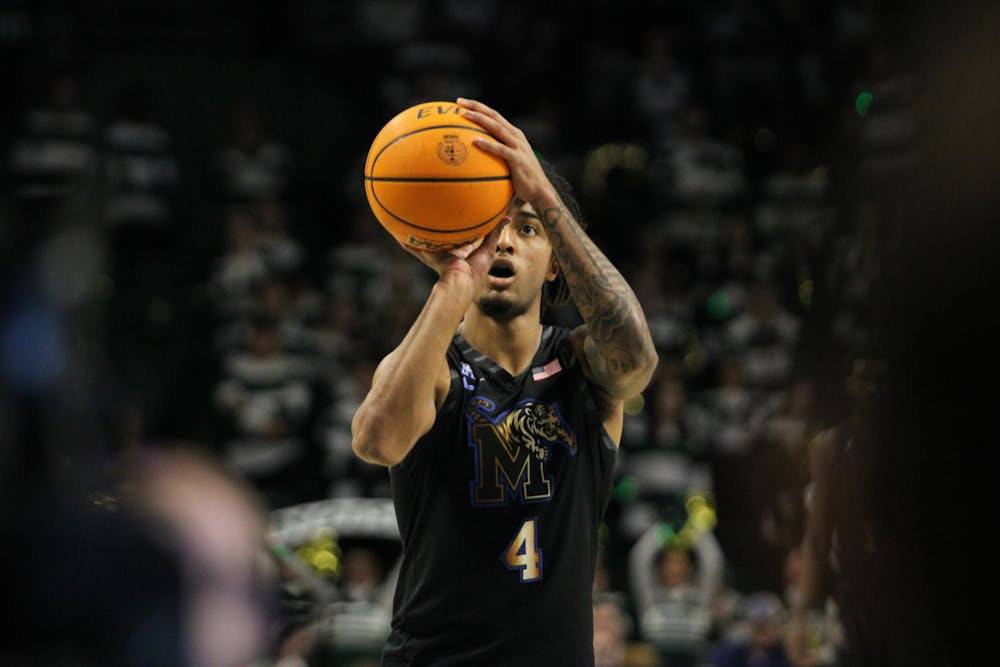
<point x="188" y="257"/>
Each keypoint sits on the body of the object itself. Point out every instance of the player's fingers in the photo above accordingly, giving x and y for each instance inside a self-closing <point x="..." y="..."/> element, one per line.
<point x="463" y="251"/>
<point x="491" y="240"/>
<point x="499" y="131"/>
<point x="496" y="125"/>
<point x="479" y="107"/>
<point x="487" y="248"/>
<point x="494" y="147"/>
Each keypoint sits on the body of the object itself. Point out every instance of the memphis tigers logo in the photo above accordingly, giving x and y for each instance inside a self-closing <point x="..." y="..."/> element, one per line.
<point x="513" y="450"/>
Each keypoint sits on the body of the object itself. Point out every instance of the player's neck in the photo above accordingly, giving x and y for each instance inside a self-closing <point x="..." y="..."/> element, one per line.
<point x="510" y="344"/>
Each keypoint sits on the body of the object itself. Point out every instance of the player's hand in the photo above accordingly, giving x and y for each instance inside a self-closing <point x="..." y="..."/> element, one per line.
<point x="526" y="174"/>
<point x="467" y="264"/>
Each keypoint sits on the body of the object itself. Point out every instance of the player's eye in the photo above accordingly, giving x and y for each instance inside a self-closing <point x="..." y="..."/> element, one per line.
<point x="528" y="229"/>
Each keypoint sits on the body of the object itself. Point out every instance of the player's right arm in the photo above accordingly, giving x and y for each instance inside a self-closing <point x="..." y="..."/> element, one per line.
<point x="411" y="382"/>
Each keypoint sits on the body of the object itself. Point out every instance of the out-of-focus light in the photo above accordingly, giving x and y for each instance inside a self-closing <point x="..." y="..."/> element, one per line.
<point x="326" y="561"/>
<point x="685" y="537"/>
<point x="695" y="359"/>
<point x="627" y="489"/>
<point x="695" y="502"/>
<point x="718" y="306"/>
<point x="635" y="157"/>
<point x="862" y="102"/>
<point x="703" y="519"/>
<point x="665" y="534"/>
<point x="806" y="292"/>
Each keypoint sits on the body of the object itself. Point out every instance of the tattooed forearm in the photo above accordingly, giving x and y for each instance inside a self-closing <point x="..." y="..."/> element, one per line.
<point x="614" y="318"/>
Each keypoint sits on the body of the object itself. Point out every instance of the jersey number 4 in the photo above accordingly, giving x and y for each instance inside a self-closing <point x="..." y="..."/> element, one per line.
<point x="523" y="553"/>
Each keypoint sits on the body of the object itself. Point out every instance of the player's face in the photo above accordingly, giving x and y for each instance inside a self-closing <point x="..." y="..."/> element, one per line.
<point x="523" y="263"/>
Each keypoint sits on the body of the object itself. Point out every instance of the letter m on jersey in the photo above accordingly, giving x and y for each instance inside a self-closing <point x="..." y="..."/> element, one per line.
<point x="513" y="450"/>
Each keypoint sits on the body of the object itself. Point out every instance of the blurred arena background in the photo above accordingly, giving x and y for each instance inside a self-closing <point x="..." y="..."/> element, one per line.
<point x="194" y="289"/>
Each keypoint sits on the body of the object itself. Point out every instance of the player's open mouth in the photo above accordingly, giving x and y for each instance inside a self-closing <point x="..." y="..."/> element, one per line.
<point x="501" y="273"/>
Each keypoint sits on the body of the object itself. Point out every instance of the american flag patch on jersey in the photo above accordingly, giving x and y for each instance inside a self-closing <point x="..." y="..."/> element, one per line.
<point x="546" y="371"/>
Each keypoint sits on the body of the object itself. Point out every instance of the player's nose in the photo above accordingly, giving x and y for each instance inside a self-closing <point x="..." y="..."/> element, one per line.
<point x="505" y="242"/>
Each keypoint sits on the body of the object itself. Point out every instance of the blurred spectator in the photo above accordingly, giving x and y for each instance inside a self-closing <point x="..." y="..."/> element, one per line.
<point x="265" y="403"/>
<point x="609" y="634"/>
<point x="358" y="622"/>
<point x="348" y="476"/>
<point x="386" y="23"/>
<point x="424" y="71"/>
<point x="674" y="586"/>
<point x="303" y="597"/>
<point x="662" y="86"/>
<point x="666" y="301"/>
<point x="761" y="645"/>
<point x="141" y="169"/>
<point x="272" y="297"/>
<point x="728" y="415"/>
<point x="884" y="120"/>
<point x="55" y="151"/>
<point x="239" y="268"/>
<point x="281" y="251"/>
<point x="704" y="166"/>
<point x="794" y="199"/>
<point x="855" y="271"/>
<point x="337" y="336"/>
<point x="730" y="412"/>
<point x="766" y="336"/>
<point x="251" y="165"/>
<point x="612" y="644"/>
<point x="375" y="271"/>
<point x="142" y="183"/>
<point x="665" y="463"/>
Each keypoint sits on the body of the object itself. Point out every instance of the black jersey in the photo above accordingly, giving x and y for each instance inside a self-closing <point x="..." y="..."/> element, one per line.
<point x="499" y="506"/>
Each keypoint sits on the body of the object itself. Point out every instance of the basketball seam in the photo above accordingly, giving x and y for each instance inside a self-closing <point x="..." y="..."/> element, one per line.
<point x="432" y="179"/>
<point x="424" y="129"/>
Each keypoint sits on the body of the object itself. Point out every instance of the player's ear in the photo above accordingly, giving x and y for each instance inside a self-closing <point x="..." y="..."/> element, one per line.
<point x="554" y="269"/>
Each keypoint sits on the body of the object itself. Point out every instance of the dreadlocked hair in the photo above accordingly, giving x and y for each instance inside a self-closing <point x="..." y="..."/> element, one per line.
<point x="556" y="292"/>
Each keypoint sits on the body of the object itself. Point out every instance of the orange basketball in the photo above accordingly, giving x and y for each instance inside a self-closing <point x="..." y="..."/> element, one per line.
<point x="428" y="185"/>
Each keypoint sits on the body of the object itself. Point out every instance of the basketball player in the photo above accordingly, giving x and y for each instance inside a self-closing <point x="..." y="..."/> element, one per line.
<point x="500" y="432"/>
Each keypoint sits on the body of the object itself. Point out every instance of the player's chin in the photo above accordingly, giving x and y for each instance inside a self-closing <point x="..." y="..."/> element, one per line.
<point x="498" y="305"/>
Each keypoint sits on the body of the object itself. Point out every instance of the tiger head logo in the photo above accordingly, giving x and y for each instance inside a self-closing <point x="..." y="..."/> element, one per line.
<point x="533" y="425"/>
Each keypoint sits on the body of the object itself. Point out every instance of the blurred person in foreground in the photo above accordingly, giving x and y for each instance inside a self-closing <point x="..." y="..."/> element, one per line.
<point x="841" y="548"/>
<point x="500" y="431"/>
<point x="161" y="564"/>
<point x="218" y="526"/>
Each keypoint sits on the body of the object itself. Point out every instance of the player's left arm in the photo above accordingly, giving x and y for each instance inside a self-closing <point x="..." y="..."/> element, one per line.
<point x="614" y="342"/>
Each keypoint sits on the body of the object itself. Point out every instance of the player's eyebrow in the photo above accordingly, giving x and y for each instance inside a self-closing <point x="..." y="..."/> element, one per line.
<point x="521" y="212"/>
